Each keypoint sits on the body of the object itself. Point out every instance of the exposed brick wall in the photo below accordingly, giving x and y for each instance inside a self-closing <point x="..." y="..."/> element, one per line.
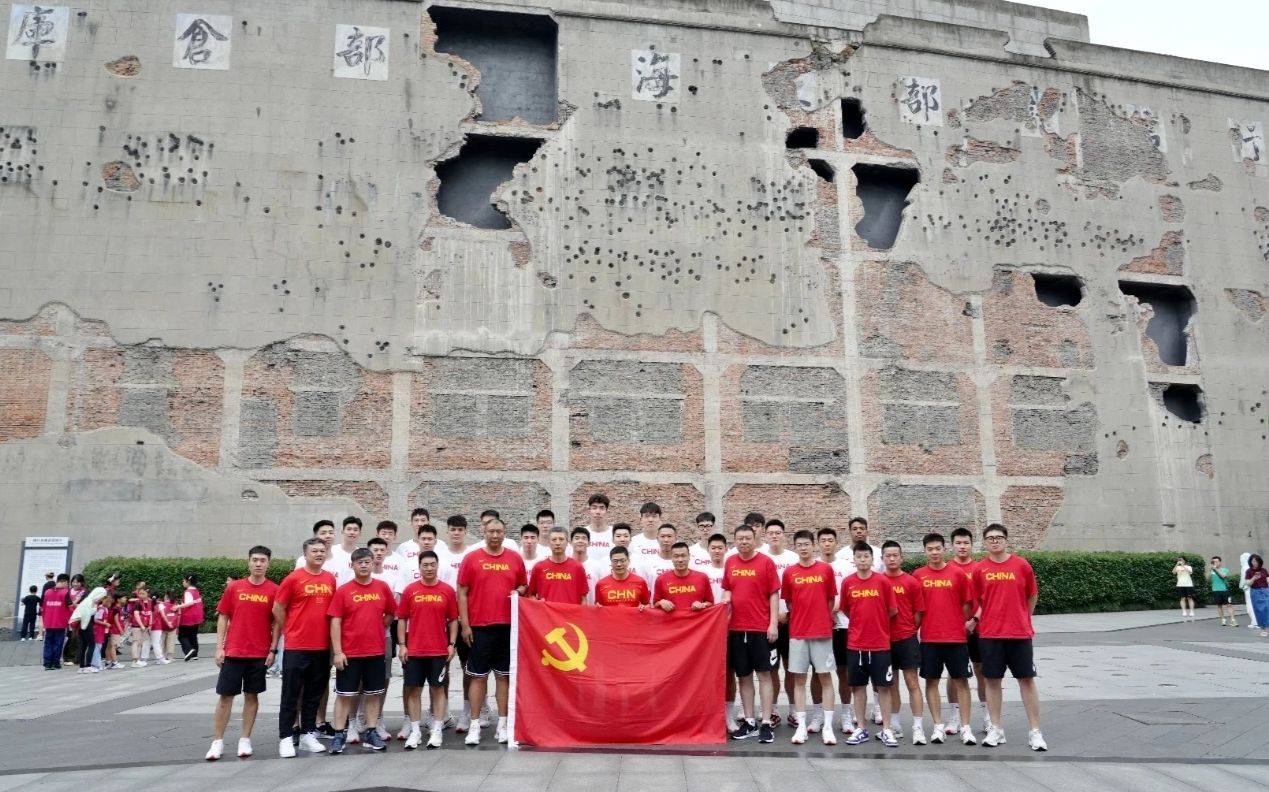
<point x="1039" y="431"/>
<point x="1027" y="512"/>
<point x="906" y="512"/>
<point x="903" y="315"/>
<point x="1022" y="331"/>
<point x="680" y="503"/>
<point x="811" y="506"/>
<point x="368" y="494"/>
<point x="1167" y="258"/>
<point x="516" y="501"/>
<point x="590" y="334"/>
<point x="783" y="419"/>
<point x="23" y="392"/>
<point x="922" y="422"/>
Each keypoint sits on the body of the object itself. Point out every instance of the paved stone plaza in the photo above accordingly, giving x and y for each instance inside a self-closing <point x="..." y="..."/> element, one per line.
<point x="1134" y="700"/>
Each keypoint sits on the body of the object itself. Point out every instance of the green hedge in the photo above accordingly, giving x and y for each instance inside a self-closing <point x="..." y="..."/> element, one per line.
<point x="165" y="574"/>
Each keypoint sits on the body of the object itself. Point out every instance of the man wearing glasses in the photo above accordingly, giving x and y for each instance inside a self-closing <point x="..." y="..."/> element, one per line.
<point x="1006" y="590"/>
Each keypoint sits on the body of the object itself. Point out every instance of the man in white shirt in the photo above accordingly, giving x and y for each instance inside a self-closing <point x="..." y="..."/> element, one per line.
<point x="622" y="533"/>
<point x="339" y="560"/>
<point x="324" y="530"/>
<point x="653" y="566"/>
<point x="409" y="549"/>
<point x="700" y="548"/>
<point x="714" y="570"/>
<point x="530" y="550"/>
<point x="393" y="563"/>
<point x="783" y="559"/>
<point x="644" y="544"/>
<point x="601" y="540"/>
<point x="596" y="568"/>
<point x="451" y="556"/>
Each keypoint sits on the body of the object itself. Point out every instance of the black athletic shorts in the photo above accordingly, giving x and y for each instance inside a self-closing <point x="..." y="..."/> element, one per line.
<point x="952" y="656"/>
<point x="367" y="675"/>
<point x="868" y="667"/>
<point x="971" y="644"/>
<point x="490" y="650"/>
<point x="782" y="642"/>
<point x="426" y="670"/>
<point x="241" y="675"/>
<point x="1012" y="653"/>
<point x="749" y="652"/>
<point x="839" y="647"/>
<point x="1185" y="591"/>
<point x="463" y="650"/>
<point x="1220" y="598"/>
<point x="905" y="655"/>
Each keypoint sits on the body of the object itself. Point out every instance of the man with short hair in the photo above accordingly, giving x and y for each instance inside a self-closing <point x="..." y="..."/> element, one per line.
<point x="622" y="588"/>
<point x="869" y="603"/>
<point x="651" y="567"/>
<point x="409" y="549"/>
<point x="529" y="534"/>
<point x="299" y="607"/>
<point x="324" y="530"/>
<point x="360" y="611"/>
<point x="682" y="588"/>
<point x="1217" y="573"/>
<point x="486" y="579"/>
<point x="963" y="559"/>
<point x="809" y="591"/>
<point x="601" y="533"/>
<point x="858" y="529"/>
<point x="427" y="633"/>
<point x="783" y="558"/>
<point x="451" y="557"/>
<point x="905" y="650"/>
<point x="596" y="568"/>
<point x="717" y="564"/>
<point x="379" y="547"/>
<point x="339" y="558"/>
<point x="949" y="602"/>
<point x="1007" y="592"/>
<point x="558" y="578"/>
<point x="752" y="588"/>
<point x="842" y="567"/>
<point x="55" y="615"/>
<point x="644" y="544"/>
<point x="246" y="642"/>
<point x="622" y="533"/>
<point x="700" y="548"/>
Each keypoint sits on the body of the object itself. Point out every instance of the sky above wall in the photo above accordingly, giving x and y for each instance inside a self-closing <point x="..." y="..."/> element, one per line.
<point x="1225" y="31"/>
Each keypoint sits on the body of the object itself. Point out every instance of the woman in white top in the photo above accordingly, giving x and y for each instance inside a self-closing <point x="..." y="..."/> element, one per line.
<point x="1185" y="586"/>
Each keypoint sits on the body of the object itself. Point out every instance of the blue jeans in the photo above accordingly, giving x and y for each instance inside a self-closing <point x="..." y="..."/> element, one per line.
<point x="54" y="641"/>
<point x="1260" y="606"/>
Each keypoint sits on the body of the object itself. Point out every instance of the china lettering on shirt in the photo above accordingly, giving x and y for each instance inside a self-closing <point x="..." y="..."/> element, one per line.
<point x="339" y="564"/>
<point x="782" y="560"/>
<point x="643" y="547"/>
<point x="699" y="558"/>
<point x="715" y="575"/>
<point x="653" y="567"/>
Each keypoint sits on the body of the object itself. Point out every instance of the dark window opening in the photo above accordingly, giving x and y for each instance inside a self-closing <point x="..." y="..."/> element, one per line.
<point x="515" y="54"/>
<point x="883" y="189"/>
<point x="1173" y="307"/>
<point x="803" y="138"/>
<point x="853" y="124"/>
<point x="1184" y="402"/>
<point x="469" y="180"/>
<point x="822" y="169"/>
<point x="1057" y="290"/>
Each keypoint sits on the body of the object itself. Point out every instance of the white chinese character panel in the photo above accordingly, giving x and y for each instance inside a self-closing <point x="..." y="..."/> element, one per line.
<point x="1249" y="140"/>
<point x="654" y="76"/>
<point x="920" y="100"/>
<point x="202" y="41"/>
<point x="37" y="33"/>
<point x="361" y="53"/>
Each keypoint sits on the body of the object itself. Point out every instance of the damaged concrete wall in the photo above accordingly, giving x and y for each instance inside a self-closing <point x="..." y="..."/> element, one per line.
<point x="251" y="278"/>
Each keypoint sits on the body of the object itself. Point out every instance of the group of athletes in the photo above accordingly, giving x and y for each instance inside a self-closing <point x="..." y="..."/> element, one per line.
<point x="813" y="603"/>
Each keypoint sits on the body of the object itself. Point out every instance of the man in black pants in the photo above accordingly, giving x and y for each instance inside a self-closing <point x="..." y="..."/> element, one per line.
<point x="300" y="607"/>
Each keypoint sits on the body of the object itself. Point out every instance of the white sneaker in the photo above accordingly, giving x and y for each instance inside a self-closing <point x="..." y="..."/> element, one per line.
<point x="897" y="731"/>
<point x="448" y="723"/>
<point x="384" y="734"/>
<point x="994" y="737"/>
<point x="967" y="736"/>
<point x="215" y="751"/>
<point x="311" y="744"/>
<point x="464" y="723"/>
<point x="1035" y="741"/>
<point x="244" y="747"/>
<point x="937" y="736"/>
<point x="354" y="734"/>
<point x="434" y="741"/>
<point x="473" y="734"/>
<point x="816" y="723"/>
<point x="413" y="739"/>
<point x="407" y="729"/>
<point x="918" y="735"/>
<point x="164" y="660"/>
<point x="138" y="664"/>
<point x="799" y="735"/>
<point x="500" y="734"/>
<point x="827" y="735"/>
<point x="876" y="714"/>
<point x="93" y="670"/>
<point x="987" y="724"/>
<point x="286" y="748"/>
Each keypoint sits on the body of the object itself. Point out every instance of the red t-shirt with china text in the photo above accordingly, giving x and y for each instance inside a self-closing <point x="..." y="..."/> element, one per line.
<point x="946" y="592"/>
<point x="429" y="610"/>
<point x="306" y="599"/>
<point x="809" y="592"/>
<point x="360" y="609"/>
<point x="910" y="600"/>
<point x="684" y="591"/>
<point x="559" y="582"/>
<point x="867" y="603"/>
<point x="1003" y="589"/>
<point x="751" y="584"/>
<point x="250" y="610"/>
<point x="490" y="579"/>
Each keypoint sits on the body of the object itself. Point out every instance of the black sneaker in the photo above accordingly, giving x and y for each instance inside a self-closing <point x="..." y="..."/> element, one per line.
<point x="190" y="655"/>
<point x="766" y="734"/>
<point x="325" y="730"/>
<point x="744" y="731"/>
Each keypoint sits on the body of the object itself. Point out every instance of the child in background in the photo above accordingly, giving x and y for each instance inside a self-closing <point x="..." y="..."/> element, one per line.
<point x="101" y="632"/>
<point x="30" y="610"/>
<point x="171" y="620"/>
<point x="158" y="625"/>
<point x="142" y="619"/>
<point x="116" y="631"/>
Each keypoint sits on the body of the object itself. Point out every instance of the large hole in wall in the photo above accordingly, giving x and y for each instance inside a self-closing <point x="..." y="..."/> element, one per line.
<point x="883" y="190"/>
<point x="469" y="180"/>
<point x="802" y="138"/>
<point x="822" y="169"/>
<point x="1173" y="307"/>
<point x="515" y="54"/>
<point x="853" y="124"/>
<point x="1184" y="402"/>
<point x="1057" y="290"/>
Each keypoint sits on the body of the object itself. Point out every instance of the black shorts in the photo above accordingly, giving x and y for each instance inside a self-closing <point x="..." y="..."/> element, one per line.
<point x="839" y="648"/>
<point x="952" y="656"/>
<point x="869" y="666"/>
<point x="392" y="636"/>
<point x="905" y="655"/>
<point x="1220" y="598"/>
<point x="749" y="652"/>
<point x="362" y="675"/>
<point x="971" y="645"/>
<point x="463" y="650"/>
<point x="782" y="642"/>
<point x="490" y="650"/>
<point x="426" y="670"/>
<point x="1185" y="591"/>
<point x="241" y="675"/>
<point x="1012" y="653"/>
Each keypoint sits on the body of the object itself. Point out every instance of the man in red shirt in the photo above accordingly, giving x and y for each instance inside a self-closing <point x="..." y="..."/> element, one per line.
<point x="809" y="590"/>
<point x="427" y="631"/>
<point x="949" y="602"/>
<point x="869" y="603"/>
<point x="682" y="588"/>
<point x="905" y="649"/>
<point x="752" y="588"/>
<point x="55" y="612"/>
<point x="1007" y="592"/>
<point x="300" y="607"/>
<point x="360" y="611"/>
<point x="246" y="643"/>
<point x="486" y="579"/>
<point x="963" y="559"/>
<point x="621" y="589"/>
<point x="558" y="578"/>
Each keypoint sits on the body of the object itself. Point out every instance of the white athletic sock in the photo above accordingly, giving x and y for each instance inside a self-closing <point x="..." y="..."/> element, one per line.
<point x="918" y="722"/>
<point x="467" y="708"/>
<point x="894" y="721"/>
<point x="751" y="721"/>
<point x="956" y="711"/>
<point x="414" y="725"/>
<point x="800" y="717"/>
<point x="502" y="723"/>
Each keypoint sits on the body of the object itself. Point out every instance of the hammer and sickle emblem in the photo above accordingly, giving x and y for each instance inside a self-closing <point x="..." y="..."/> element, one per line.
<point x="574" y="658"/>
